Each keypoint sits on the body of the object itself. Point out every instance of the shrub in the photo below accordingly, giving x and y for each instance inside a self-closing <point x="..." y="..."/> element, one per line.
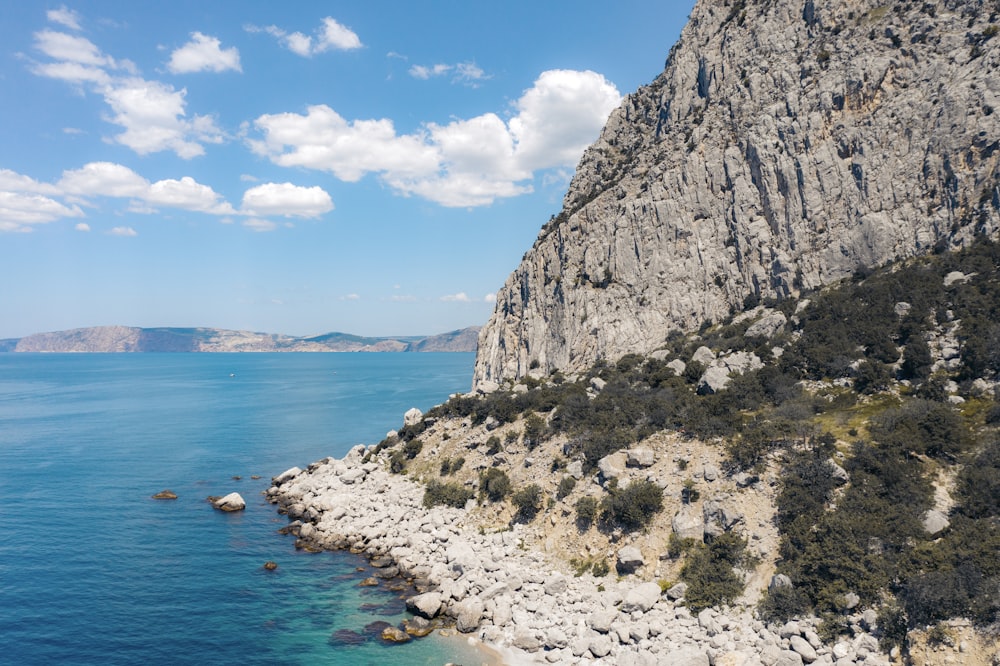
<point x="566" y="486"/>
<point x="397" y="462"/>
<point x="709" y="572"/>
<point x="528" y="501"/>
<point x="448" y="494"/>
<point x="494" y="484"/>
<point x="534" y="429"/>
<point x="586" y="511"/>
<point x="634" y="507"/>
<point x="493" y="445"/>
<point x="781" y="604"/>
<point x="600" y="568"/>
<point x="412" y="448"/>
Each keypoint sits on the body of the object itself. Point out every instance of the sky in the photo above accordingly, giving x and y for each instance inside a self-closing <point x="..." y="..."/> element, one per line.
<point x="376" y="168"/>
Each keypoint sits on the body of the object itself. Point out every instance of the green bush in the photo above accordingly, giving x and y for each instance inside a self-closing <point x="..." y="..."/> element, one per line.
<point x="633" y="507"/>
<point x="493" y="445"/>
<point x="534" y="430"/>
<point x="412" y="448"/>
<point x="448" y="494"/>
<point x="781" y="604"/>
<point x="397" y="462"/>
<point x="586" y="511"/>
<point x="528" y="501"/>
<point x="709" y="572"/>
<point x="494" y="484"/>
<point x="566" y="486"/>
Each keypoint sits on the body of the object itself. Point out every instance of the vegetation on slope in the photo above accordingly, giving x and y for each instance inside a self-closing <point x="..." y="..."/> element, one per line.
<point x="873" y="392"/>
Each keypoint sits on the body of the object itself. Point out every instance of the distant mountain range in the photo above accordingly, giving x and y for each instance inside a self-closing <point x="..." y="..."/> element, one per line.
<point x="134" y="339"/>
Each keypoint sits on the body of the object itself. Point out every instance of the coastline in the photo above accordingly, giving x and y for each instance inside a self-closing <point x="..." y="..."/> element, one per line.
<point x="523" y="607"/>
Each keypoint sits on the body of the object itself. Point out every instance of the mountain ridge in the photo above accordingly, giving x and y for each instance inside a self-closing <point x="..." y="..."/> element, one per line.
<point x="105" y="339"/>
<point x="785" y="145"/>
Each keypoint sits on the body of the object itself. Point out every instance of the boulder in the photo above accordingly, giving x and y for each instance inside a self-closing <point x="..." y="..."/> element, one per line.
<point x="687" y="656"/>
<point x="689" y="524"/>
<point x="412" y="416"/>
<point x="601" y="620"/>
<point x="629" y="559"/>
<point x="418" y="627"/>
<point x="803" y="648"/>
<point x="395" y="635"/>
<point x="610" y="466"/>
<point x="713" y="380"/>
<point x="678" y="366"/>
<point x="555" y="584"/>
<point x="703" y="355"/>
<point x="641" y="598"/>
<point x="285" y="476"/>
<point x="468" y="615"/>
<point x="767" y="326"/>
<point x="525" y="639"/>
<point x="677" y="591"/>
<point x="231" y="502"/>
<point x="427" y="604"/>
<point x="711" y="472"/>
<point x="935" y="521"/>
<point x="778" y="581"/>
<point x="165" y="495"/>
<point x="640" y="457"/>
<point x="597" y="384"/>
<point x="575" y="469"/>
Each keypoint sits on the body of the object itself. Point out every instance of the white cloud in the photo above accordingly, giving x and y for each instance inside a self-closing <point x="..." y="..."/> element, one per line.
<point x="71" y="48"/>
<point x="12" y="181"/>
<point x="65" y="17"/>
<point x="204" y="53"/>
<point x="286" y="200"/>
<point x="18" y="211"/>
<point x="333" y="35"/>
<point x="189" y="195"/>
<point x="126" y="232"/>
<point x="467" y="73"/>
<point x="114" y="180"/>
<point x="350" y="297"/>
<point x="560" y="116"/>
<point x="490" y="298"/>
<point x="153" y="114"/>
<point x="460" y="297"/>
<point x="104" y="179"/>
<point x="323" y="140"/>
<point x="257" y="224"/>
<point x="424" y="72"/>
<point x="82" y="226"/>
<point x="329" y="36"/>
<point x="464" y="163"/>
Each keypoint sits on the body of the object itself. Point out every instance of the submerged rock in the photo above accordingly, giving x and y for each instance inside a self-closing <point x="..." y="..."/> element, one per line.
<point x="165" y="495"/>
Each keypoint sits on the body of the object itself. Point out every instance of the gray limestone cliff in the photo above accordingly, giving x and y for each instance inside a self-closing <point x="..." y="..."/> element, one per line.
<point x="786" y="144"/>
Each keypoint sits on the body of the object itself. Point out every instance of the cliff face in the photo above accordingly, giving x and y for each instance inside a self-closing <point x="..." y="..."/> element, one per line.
<point x="786" y="144"/>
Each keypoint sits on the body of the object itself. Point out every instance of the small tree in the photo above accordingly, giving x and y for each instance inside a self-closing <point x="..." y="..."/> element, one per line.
<point x="494" y="484"/>
<point x="586" y="512"/>
<point x="528" y="501"/>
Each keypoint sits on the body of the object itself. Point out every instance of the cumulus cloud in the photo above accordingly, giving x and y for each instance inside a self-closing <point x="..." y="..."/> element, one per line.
<point x="204" y="54"/>
<point x="329" y="36"/>
<point x="460" y="297"/>
<point x="19" y="211"/>
<point x="286" y="200"/>
<point x="126" y="232"/>
<point x="469" y="162"/>
<point x="153" y="114"/>
<point x="65" y="17"/>
<point x="24" y="201"/>
<point x="82" y="226"/>
<point x="490" y="298"/>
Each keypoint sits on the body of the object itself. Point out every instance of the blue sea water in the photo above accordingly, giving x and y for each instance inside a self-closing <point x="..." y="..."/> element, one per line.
<point x="94" y="571"/>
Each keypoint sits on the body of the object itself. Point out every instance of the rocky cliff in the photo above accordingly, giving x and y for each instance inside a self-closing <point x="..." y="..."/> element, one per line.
<point x="786" y="144"/>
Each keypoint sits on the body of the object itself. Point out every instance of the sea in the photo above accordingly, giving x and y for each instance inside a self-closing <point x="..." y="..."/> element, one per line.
<point x="95" y="571"/>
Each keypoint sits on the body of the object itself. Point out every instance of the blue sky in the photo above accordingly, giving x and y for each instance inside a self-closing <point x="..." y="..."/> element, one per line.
<point x="374" y="167"/>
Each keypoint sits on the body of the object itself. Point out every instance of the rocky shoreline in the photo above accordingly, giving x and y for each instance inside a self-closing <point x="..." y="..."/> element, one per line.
<point x="490" y="585"/>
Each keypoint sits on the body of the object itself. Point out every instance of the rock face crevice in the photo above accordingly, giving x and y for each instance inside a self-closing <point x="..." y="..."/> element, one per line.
<point x="786" y="145"/>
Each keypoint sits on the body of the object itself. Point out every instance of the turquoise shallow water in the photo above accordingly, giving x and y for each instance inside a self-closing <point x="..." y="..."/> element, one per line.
<point x="93" y="571"/>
